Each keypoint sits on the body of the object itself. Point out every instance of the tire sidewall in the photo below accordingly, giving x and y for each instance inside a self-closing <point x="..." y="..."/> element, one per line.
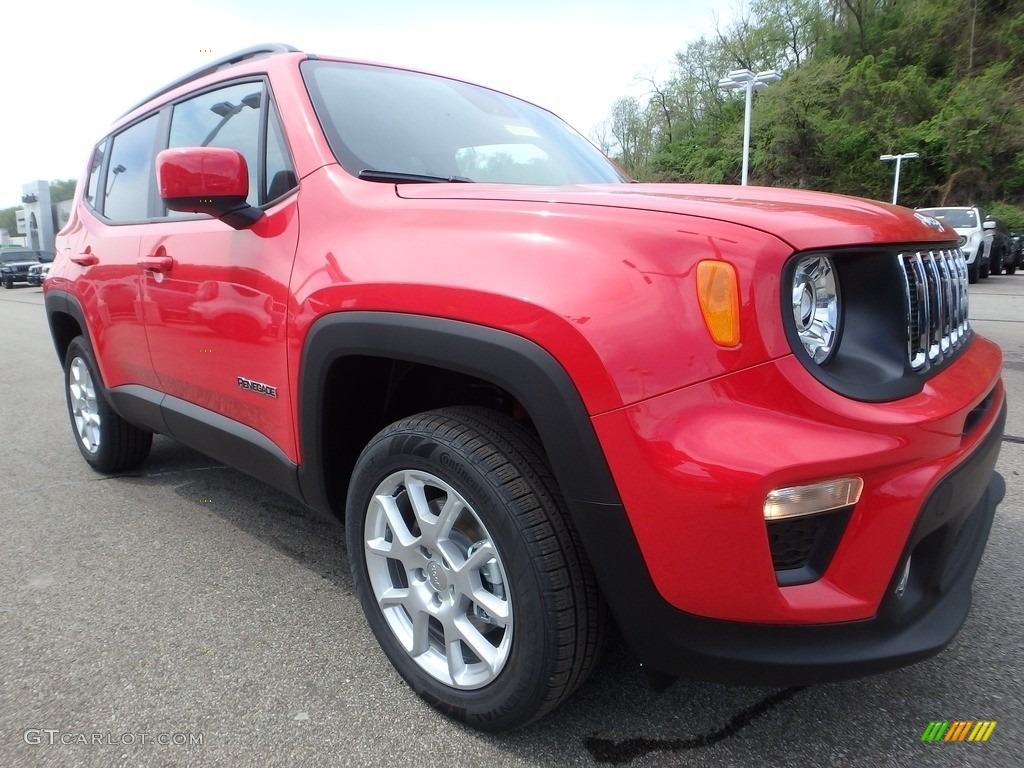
<point x="79" y="349"/>
<point x="507" y="700"/>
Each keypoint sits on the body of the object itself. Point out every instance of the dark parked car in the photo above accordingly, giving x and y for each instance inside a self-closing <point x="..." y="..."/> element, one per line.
<point x="999" y="246"/>
<point x="14" y="264"/>
<point x="1016" y="250"/>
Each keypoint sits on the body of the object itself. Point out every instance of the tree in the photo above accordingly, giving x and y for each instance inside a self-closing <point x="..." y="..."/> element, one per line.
<point x="979" y="131"/>
<point x="633" y="129"/>
<point x="861" y="78"/>
<point x="9" y="221"/>
<point x="62" y="189"/>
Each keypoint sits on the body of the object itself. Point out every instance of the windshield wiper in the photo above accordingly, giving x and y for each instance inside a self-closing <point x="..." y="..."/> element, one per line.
<point x="397" y="177"/>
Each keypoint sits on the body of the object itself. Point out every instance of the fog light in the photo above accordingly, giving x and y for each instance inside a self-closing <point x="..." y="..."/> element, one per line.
<point x="801" y="500"/>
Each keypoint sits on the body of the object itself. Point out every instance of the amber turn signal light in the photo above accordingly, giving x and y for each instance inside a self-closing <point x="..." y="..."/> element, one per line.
<point x="719" y="294"/>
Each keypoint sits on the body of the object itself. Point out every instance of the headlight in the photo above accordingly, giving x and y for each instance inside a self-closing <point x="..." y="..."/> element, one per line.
<point x="816" y="306"/>
<point x="963" y="241"/>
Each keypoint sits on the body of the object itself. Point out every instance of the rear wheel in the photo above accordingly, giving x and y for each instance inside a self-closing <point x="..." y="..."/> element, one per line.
<point x="468" y="568"/>
<point x="107" y="442"/>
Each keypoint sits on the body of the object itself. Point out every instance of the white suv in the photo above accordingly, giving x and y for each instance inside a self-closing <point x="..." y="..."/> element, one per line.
<point x="968" y="224"/>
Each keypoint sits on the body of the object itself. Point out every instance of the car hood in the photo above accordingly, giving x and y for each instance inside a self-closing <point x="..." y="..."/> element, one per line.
<point x="801" y="218"/>
<point x="18" y="263"/>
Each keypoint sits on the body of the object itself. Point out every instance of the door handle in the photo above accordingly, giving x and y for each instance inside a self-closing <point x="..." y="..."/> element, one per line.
<point x="157" y="263"/>
<point x="86" y="259"/>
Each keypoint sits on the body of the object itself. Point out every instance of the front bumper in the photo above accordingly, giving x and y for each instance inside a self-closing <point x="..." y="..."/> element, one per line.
<point x="688" y="567"/>
<point x="905" y="630"/>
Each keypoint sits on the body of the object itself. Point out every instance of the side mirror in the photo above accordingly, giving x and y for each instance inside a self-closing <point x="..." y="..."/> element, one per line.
<point x="988" y="224"/>
<point x="208" y="180"/>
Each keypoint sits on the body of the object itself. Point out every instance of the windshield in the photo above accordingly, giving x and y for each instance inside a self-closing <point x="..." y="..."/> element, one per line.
<point x="958" y="218"/>
<point x="396" y="123"/>
<point x="18" y="256"/>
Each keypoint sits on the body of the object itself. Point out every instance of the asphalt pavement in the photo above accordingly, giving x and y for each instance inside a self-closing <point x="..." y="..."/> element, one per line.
<point x="185" y="614"/>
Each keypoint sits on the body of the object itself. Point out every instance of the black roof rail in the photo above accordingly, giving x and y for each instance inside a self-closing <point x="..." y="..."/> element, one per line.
<point x="233" y="58"/>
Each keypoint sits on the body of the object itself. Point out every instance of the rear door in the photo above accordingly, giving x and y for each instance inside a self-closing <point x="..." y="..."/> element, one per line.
<point x="105" y="250"/>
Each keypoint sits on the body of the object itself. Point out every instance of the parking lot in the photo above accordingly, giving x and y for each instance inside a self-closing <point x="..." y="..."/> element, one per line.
<point x="186" y="614"/>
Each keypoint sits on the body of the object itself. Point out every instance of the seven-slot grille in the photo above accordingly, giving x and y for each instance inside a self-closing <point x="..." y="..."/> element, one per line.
<point x="935" y="285"/>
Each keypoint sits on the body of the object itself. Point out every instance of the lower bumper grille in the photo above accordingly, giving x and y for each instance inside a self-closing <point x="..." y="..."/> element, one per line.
<point x="802" y="547"/>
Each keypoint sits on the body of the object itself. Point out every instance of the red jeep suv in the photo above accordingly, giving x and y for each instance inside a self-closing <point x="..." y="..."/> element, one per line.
<point x="751" y="426"/>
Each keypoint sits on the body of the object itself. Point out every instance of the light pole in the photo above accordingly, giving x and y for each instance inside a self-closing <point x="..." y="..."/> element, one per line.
<point x="750" y="81"/>
<point x="899" y="159"/>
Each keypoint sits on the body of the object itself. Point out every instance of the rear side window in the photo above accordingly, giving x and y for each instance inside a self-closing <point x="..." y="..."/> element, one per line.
<point x="130" y="172"/>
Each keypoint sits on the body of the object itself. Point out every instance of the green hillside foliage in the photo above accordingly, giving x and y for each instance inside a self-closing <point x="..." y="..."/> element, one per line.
<point x="861" y="78"/>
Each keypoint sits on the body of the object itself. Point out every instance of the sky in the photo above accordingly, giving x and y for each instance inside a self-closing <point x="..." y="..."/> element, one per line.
<point x="71" y="67"/>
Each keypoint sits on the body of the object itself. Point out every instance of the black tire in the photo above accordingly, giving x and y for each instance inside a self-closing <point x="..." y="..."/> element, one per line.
<point x="8" y="282"/>
<point x="557" y="619"/>
<point x="1011" y="267"/>
<point x="107" y="442"/>
<point x="972" y="272"/>
<point x="984" y="270"/>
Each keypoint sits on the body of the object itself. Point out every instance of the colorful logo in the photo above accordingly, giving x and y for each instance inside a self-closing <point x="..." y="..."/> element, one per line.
<point x="958" y="730"/>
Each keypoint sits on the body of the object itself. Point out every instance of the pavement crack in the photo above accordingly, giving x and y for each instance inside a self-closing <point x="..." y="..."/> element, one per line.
<point x="1013" y="439"/>
<point x="619" y="752"/>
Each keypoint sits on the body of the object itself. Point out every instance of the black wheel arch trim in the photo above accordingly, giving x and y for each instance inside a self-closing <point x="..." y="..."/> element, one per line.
<point x="61" y="303"/>
<point x="519" y="366"/>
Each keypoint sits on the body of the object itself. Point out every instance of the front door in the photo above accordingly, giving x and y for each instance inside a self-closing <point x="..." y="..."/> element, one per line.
<point x="216" y="298"/>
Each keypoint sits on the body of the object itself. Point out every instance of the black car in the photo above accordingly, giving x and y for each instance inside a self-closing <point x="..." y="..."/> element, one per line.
<point x="999" y="246"/>
<point x="14" y="264"/>
<point x="1016" y="251"/>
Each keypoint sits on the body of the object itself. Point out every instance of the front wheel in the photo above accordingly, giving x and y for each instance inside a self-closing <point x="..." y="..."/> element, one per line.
<point x="8" y="282"/>
<point x="107" y="442"/>
<point x="468" y="568"/>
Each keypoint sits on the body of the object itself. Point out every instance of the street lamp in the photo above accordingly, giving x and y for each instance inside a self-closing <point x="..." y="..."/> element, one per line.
<point x="750" y="81"/>
<point x="899" y="159"/>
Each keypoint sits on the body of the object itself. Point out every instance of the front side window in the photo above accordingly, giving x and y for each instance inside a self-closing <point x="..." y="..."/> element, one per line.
<point x="130" y="172"/>
<point x="280" y="176"/>
<point x="229" y="118"/>
<point x="390" y="121"/>
<point x="94" y="174"/>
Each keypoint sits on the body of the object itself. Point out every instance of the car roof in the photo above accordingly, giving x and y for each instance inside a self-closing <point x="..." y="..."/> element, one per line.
<point x="252" y="52"/>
